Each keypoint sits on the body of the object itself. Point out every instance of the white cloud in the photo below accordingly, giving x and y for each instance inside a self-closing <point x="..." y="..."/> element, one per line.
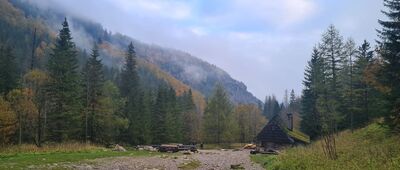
<point x="159" y="8"/>
<point x="199" y="31"/>
<point x="283" y="12"/>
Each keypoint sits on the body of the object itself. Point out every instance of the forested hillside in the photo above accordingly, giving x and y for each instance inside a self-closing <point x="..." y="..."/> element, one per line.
<point x="190" y="70"/>
<point x="63" y="81"/>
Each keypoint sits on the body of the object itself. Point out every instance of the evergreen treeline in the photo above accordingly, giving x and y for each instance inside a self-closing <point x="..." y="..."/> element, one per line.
<point x="71" y="101"/>
<point x="346" y="86"/>
<point x="68" y="95"/>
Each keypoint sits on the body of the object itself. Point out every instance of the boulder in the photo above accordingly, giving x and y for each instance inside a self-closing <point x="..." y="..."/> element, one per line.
<point x="119" y="148"/>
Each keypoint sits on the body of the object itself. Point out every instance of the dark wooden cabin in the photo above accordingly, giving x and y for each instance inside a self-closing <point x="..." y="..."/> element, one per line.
<point x="277" y="134"/>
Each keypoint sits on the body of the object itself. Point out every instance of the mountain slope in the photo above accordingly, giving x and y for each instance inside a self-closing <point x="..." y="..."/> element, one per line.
<point x="190" y="70"/>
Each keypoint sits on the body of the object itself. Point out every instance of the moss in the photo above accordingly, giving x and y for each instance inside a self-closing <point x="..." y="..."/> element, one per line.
<point x="298" y="135"/>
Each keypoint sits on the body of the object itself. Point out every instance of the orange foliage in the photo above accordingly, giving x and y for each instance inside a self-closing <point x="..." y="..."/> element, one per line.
<point x="179" y="87"/>
<point x="8" y="121"/>
<point x="370" y="77"/>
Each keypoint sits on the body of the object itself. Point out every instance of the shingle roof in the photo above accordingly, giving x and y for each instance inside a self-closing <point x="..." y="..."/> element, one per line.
<point x="276" y="132"/>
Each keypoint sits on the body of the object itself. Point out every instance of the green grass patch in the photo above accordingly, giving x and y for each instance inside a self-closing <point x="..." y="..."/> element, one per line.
<point x="263" y="159"/>
<point x="26" y="159"/>
<point x="372" y="147"/>
<point x="190" y="165"/>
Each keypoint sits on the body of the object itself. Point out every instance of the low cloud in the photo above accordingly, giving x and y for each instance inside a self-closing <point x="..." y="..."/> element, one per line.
<point x="264" y="43"/>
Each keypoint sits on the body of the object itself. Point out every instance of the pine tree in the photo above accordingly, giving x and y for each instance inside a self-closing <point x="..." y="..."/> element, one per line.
<point x="313" y="76"/>
<point x="174" y="119"/>
<point x="110" y="121"/>
<point x="64" y="90"/>
<point x="389" y="52"/>
<point x="129" y="82"/>
<point x="271" y="106"/>
<point x="267" y="105"/>
<point x="190" y="121"/>
<point x="145" y="136"/>
<point x="93" y="84"/>
<point x="286" y="99"/>
<point x="347" y="84"/>
<point x="217" y="117"/>
<point x="159" y="117"/>
<point x="331" y="50"/>
<point x="362" y="91"/>
<point x="8" y="70"/>
<point x="129" y="85"/>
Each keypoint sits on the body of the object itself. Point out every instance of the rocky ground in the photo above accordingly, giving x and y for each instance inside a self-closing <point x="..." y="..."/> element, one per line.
<point x="209" y="160"/>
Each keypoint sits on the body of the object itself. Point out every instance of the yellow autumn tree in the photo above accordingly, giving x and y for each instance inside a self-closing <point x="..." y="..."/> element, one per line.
<point x="249" y="120"/>
<point x="8" y="122"/>
<point x="21" y="101"/>
<point x="36" y="81"/>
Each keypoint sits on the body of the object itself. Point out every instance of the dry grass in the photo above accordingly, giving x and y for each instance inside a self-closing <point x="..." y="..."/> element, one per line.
<point x="62" y="147"/>
<point x="372" y="147"/>
<point x="30" y="156"/>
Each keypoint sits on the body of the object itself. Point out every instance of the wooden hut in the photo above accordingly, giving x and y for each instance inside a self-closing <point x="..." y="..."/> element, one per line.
<point x="277" y="134"/>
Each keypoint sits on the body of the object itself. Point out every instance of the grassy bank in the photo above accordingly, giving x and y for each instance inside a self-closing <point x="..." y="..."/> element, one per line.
<point x="372" y="147"/>
<point x="24" y="156"/>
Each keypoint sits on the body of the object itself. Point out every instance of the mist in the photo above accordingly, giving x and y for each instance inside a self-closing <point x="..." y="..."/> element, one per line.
<point x="264" y="44"/>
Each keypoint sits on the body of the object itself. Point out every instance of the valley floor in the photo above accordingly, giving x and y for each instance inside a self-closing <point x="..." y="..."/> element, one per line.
<point x="78" y="156"/>
<point x="205" y="159"/>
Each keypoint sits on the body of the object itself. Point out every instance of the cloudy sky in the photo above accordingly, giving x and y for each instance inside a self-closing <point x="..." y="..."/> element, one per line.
<point x="264" y="43"/>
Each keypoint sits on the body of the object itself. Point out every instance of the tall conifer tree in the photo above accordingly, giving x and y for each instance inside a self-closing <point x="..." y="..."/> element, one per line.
<point x="93" y="79"/>
<point x="64" y="90"/>
<point x="390" y="52"/>
<point x="313" y="76"/>
<point x="129" y="85"/>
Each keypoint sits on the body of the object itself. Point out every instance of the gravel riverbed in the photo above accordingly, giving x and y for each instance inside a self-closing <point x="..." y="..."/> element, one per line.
<point x="209" y="160"/>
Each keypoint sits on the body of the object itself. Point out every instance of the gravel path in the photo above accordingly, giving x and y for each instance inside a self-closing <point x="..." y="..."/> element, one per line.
<point x="210" y="160"/>
<point x="217" y="159"/>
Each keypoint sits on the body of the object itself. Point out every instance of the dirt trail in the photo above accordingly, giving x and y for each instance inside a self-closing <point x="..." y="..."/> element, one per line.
<point x="209" y="159"/>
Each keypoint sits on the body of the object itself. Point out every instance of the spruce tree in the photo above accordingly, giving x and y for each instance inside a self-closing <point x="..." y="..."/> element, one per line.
<point x="93" y="84"/>
<point x="363" y="93"/>
<point x="129" y="85"/>
<point x="313" y="76"/>
<point x="190" y="119"/>
<point x="389" y="76"/>
<point x="159" y="114"/>
<point x="145" y="128"/>
<point x="217" y="117"/>
<point x="63" y="88"/>
<point x="174" y="119"/>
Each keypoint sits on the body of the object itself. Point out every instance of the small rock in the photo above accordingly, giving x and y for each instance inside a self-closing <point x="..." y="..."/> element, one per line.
<point x="119" y="148"/>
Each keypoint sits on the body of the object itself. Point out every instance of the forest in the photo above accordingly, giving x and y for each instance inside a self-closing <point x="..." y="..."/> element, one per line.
<point x="66" y="101"/>
<point x="54" y="91"/>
